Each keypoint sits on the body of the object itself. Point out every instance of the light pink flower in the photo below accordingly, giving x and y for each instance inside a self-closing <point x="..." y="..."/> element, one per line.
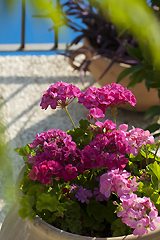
<point x="116" y="181"/>
<point x="138" y="213"/>
<point x="136" y="138"/>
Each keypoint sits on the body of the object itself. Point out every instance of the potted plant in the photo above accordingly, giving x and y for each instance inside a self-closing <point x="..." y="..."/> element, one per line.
<point x="95" y="181"/>
<point x="112" y="53"/>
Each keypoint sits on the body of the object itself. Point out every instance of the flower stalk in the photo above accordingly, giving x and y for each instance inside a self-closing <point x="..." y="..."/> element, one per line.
<point x="69" y="116"/>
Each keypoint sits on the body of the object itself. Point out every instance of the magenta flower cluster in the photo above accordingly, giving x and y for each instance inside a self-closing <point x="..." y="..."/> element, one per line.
<point x="55" y="155"/>
<point x="98" y="100"/>
<point x="106" y="150"/>
<point x="59" y="94"/>
<point x="109" y="148"/>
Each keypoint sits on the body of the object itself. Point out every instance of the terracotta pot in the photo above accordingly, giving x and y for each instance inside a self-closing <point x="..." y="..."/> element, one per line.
<point x="14" y="228"/>
<point x="145" y="98"/>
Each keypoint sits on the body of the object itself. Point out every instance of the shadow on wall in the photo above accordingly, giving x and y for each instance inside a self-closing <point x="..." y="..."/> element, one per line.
<point x="31" y="89"/>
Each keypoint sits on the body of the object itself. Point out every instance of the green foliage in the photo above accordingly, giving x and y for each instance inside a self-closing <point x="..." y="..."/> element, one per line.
<point x="128" y="21"/>
<point x="101" y="212"/>
<point x="48" y="202"/>
<point x="119" y="228"/>
<point x="130" y="71"/>
<point x="49" y="10"/>
<point x="72" y="219"/>
<point x="82" y="135"/>
<point x="153" y="111"/>
<point x="147" y="155"/>
<point x="147" y="188"/>
<point x="154" y="129"/>
<point x="27" y="203"/>
<point x="24" y="151"/>
<point x="154" y="170"/>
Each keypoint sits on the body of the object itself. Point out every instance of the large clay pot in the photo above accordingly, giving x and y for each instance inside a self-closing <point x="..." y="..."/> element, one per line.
<point x="14" y="228"/>
<point x="97" y="66"/>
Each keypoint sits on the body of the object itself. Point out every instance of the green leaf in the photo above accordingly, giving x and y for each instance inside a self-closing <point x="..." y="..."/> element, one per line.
<point x="155" y="168"/>
<point x="135" y="52"/>
<point x="26" y="207"/>
<point x="118" y="228"/>
<point x="81" y="135"/>
<point x="72" y="218"/>
<point x="136" y="77"/>
<point x="101" y="212"/>
<point x="84" y="124"/>
<point x="24" y="151"/>
<point x="124" y="74"/>
<point x="153" y="127"/>
<point x="129" y="71"/>
<point x="46" y="201"/>
<point x="153" y="111"/>
<point x="96" y="210"/>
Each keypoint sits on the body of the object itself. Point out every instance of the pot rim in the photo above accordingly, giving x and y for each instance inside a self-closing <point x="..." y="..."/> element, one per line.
<point x="40" y="224"/>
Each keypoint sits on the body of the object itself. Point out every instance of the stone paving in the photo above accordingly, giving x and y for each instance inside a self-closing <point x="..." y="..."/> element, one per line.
<point x="22" y="82"/>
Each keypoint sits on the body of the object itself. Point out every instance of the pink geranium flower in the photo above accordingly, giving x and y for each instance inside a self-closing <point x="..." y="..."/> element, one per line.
<point x="116" y="181"/>
<point x="96" y="99"/>
<point x="138" y="213"/>
<point x="59" y="94"/>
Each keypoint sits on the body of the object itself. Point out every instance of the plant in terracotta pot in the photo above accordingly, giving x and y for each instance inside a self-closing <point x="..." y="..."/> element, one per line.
<point x="112" y="52"/>
<point x="97" y="179"/>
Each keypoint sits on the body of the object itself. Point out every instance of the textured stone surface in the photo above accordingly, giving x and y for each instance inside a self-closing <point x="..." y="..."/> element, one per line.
<point x="22" y="81"/>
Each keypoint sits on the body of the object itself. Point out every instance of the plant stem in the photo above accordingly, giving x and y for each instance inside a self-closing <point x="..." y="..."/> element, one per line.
<point x="146" y="150"/>
<point x="114" y="113"/>
<point x="158" y="146"/>
<point x="70" y="118"/>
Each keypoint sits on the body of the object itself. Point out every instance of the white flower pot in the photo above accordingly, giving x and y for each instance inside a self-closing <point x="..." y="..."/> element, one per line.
<point x="14" y="228"/>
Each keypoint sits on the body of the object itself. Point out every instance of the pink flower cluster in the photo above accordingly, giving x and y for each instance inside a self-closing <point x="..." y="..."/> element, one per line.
<point x="97" y="100"/>
<point x="59" y="94"/>
<point x="119" y="182"/>
<point x="136" y="138"/>
<point x="55" y="155"/>
<point x="106" y="150"/>
<point x="138" y="213"/>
